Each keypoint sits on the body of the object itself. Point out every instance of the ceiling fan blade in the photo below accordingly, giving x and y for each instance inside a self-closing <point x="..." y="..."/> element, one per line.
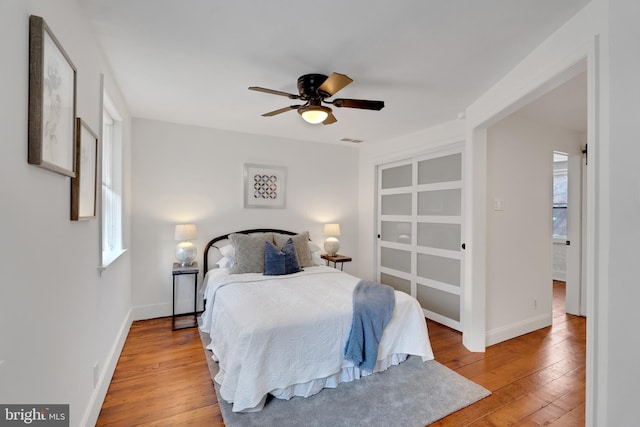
<point x="334" y="83"/>
<point x="281" y="110"/>
<point x="359" y="103"/>
<point x="331" y="119"/>
<point x="274" y="92"/>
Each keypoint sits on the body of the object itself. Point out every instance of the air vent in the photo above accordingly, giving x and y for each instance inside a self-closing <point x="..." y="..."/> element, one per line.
<point x="355" y="141"/>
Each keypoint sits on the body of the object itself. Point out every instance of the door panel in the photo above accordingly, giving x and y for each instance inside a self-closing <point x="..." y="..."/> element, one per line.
<point x="439" y="303"/>
<point x="396" y="204"/>
<point x="440" y="202"/>
<point x="399" y="176"/>
<point x="396" y="231"/>
<point x="574" y="234"/>
<point x="396" y="259"/>
<point x="440" y="236"/>
<point x="440" y="169"/>
<point x="439" y="269"/>
<point x="420" y="229"/>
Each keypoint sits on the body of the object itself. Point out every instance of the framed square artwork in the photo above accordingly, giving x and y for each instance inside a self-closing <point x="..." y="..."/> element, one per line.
<point x="264" y="186"/>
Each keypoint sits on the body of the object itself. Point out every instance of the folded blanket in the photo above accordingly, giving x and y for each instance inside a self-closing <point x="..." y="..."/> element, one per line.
<point x="373" y="305"/>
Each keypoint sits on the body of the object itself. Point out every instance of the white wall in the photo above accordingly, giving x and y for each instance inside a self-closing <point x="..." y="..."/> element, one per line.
<point x="624" y="233"/>
<point x="192" y="174"/>
<point x="605" y="31"/>
<point x="372" y="155"/>
<point x="58" y="316"/>
<point x="519" y="237"/>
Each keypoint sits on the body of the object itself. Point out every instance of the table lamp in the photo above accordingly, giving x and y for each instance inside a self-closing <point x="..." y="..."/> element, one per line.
<point x="331" y="245"/>
<point x="185" y="250"/>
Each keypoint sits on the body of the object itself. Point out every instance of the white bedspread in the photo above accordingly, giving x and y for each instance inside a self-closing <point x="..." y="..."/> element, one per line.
<point x="286" y="335"/>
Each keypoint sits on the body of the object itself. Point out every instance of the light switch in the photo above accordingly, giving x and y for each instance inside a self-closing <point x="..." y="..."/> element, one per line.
<point x="498" y="204"/>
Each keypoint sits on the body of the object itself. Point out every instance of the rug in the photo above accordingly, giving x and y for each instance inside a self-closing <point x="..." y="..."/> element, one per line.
<point x="414" y="393"/>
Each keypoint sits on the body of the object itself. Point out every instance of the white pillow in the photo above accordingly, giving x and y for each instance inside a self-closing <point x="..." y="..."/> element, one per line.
<point x="225" y="262"/>
<point x="315" y="254"/>
<point x="228" y="251"/>
<point x="314" y="248"/>
<point x="315" y="258"/>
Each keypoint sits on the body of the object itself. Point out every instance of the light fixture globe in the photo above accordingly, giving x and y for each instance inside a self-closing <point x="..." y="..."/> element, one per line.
<point x="185" y="253"/>
<point x="314" y="114"/>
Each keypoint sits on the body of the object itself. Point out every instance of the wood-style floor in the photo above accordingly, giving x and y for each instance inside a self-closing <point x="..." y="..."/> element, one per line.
<point x="536" y="379"/>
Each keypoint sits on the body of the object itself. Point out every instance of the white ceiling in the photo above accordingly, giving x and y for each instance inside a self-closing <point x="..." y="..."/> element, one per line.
<point x="565" y="106"/>
<point x="191" y="61"/>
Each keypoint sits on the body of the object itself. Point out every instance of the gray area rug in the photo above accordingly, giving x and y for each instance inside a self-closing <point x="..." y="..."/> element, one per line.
<point x="410" y="394"/>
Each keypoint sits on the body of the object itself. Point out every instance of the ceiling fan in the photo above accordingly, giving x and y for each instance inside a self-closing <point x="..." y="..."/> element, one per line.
<point x="314" y="89"/>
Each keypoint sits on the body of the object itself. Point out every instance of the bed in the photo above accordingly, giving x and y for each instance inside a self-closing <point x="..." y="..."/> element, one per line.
<point x="285" y="335"/>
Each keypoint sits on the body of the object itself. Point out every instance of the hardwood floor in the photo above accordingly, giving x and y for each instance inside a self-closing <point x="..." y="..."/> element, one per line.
<point x="536" y="379"/>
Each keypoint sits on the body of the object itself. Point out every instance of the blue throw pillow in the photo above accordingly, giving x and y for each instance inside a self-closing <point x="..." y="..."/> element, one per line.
<point x="291" y="264"/>
<point x="278" y="262"/>
<point x="273" y="260"/>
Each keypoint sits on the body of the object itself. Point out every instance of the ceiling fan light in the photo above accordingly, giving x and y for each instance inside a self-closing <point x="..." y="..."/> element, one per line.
<point x="314" y="114"/>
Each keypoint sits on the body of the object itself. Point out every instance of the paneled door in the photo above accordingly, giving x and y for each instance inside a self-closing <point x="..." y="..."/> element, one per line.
<point x="420" y="229"/>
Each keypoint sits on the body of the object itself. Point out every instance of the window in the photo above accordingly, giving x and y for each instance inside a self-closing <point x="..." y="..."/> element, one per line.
<point x="112" y="246"/>
<point x="560" y="195"/>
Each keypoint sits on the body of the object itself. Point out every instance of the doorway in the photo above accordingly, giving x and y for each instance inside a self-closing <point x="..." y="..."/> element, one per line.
<point x="559" y="232"/>
<point x="519" y="187"/>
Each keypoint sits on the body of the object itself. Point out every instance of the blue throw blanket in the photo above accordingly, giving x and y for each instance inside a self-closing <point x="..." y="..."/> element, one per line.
<point x="373" y="305"/>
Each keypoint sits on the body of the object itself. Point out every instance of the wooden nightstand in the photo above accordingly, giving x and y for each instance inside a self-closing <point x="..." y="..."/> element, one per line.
<point x="337" y="258"/>
<point x="179" y="270"/>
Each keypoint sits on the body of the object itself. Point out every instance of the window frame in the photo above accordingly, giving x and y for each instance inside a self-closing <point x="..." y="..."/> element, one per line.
<point x="111" y="185"/>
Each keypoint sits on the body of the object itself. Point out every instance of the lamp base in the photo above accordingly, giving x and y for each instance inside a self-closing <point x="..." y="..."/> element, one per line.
<point x="331" y="245"/>
<point x="185" y="253"/>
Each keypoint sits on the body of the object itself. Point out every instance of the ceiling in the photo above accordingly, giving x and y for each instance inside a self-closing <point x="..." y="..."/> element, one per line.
<point x="191" y="61"/>
<point x="565" y="106"/>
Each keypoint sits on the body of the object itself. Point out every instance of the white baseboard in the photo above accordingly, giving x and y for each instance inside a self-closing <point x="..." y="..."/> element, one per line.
<point x="513" y="330"/>
<point x="100" y="391"/>
<point x="151" y="311"/>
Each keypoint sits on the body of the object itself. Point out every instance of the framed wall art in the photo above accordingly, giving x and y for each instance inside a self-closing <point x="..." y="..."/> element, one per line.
<point x="84" y="184"/>
<point x="264" y="186"/>
<point x="52" y="101"/>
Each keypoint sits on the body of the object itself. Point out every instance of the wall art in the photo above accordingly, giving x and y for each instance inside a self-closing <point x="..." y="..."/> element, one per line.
<point x="84" y="184"/>
<point x="264" y="186"/>
<point x="52" y="101"/>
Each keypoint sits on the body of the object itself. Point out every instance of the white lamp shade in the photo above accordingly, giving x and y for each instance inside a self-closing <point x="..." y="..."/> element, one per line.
<point x="185" y="232"/>
<point x="332" y="230"/>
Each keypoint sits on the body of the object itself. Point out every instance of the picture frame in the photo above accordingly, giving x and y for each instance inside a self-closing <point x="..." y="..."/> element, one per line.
<point x="264" y="186"/>
<point x="52" y="101"/>
<point x="84" y="184"/>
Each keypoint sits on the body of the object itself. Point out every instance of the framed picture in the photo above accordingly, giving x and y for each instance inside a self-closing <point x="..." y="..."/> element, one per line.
<point x="264" y="186"/>
<point x="52" y="101"/>
<point x="84" y="184"/>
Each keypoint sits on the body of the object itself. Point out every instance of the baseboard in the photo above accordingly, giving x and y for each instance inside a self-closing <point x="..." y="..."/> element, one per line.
<point x="99" y="393"/>
<point x="151" y="311"/>
<point x="513" y="330"/>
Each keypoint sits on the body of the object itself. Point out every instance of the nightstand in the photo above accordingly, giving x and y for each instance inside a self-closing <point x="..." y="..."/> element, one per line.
<point x="336" y="259"/>
<point x="179" y="270"/>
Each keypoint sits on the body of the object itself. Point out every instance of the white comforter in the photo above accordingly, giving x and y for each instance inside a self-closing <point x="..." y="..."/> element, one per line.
<point x="285" y="335"/>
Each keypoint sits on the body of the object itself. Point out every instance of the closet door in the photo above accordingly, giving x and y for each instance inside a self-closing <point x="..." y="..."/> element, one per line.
<point x="420" y="231"/>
